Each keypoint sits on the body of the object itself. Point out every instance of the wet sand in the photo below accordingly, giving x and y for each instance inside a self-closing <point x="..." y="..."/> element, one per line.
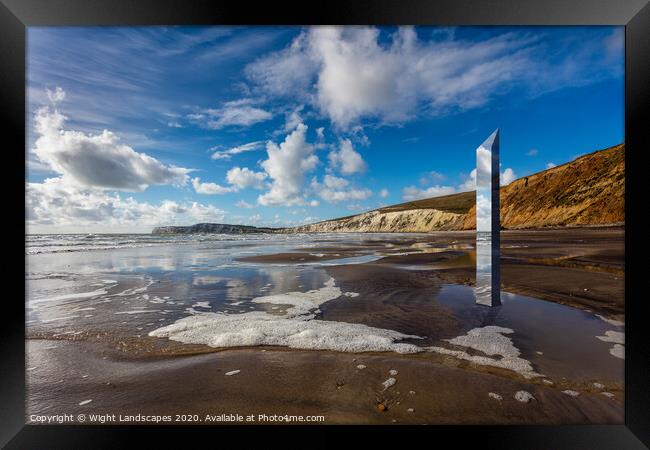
<point x="275" y="381"/>
<point x="580" y="267"/>
<point x="416" y="285"/>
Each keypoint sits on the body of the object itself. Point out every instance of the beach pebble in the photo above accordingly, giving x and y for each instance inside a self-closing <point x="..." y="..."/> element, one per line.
<point x="412" y="392"/>
<point x="523" y="396"/>
<point x="539" y="353"/>
<point x="361" y="367"/>
<point x="410" y="410"/>
<point x="495" y="396"/>
<point x="381" y="407"/>
<point x="545" y="381"/>
<point x="571" y="393"/>
<point x="85" y="402"/>
<point x="608" y="394"/>
<point x="392" y="372"/>
<point x="599" y="385"/>
<point x="232" y="372"/>
<point x="388" y="383"/>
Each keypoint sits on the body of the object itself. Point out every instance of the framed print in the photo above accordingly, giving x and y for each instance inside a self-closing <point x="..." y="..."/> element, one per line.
<point x="379" y="214"/>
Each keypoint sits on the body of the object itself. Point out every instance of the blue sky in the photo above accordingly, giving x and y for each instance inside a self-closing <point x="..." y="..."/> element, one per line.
<point x="129" y="128"/>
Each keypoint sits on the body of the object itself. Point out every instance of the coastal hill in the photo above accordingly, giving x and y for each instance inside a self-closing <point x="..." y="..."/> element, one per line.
<point x="587" y="191"/>
<point x="211" y="228"/>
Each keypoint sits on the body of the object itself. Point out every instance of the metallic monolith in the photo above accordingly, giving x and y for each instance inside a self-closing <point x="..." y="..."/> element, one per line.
<point x="488" y="278"/>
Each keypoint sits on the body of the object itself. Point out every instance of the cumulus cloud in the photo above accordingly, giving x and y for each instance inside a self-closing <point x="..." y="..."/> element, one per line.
<point x="242" y="178"/>
<point x="227" y="154"/>
<point x="210" y="188"/>
<point x="243" y="204"/>
<point x="347" y="159"/>
<point x="57" y="204"/>
<point x="355" y="74"/>
<point x="286" y="166"/>
<point x="411" y="193"/>
<point x="234" y="113"/>
<point x="384" y="193"/>
<point x="507" y="176"/>
<point x="97" y="160"/>
<point x="334" y="190"/>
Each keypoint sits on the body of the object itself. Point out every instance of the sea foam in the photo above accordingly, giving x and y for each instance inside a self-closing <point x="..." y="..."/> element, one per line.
<point x="297" y="328"/>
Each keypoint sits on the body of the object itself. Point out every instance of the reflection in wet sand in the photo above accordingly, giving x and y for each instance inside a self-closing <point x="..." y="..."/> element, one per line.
<point x="416" y="291"/>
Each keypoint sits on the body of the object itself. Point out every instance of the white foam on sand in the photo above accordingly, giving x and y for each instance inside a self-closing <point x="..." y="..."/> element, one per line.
<point x="618" y="351"/>
<point x="491" y="341"/>
<point x="70" y="296"/>
<point x="613" y="336"/>
<point x="201" y="305"/>
<point x="571" y="393"/>
<point x="296" y="328"/>
<point x="524" y="396"/>
<point x="139" y="311"/>
<point x="303" y="302"/>
<point x="389" y="382"/>
<point x="56" y="319"/>
<point x="495" y="396"/>
<point x="618" y="339"/>
<point x="616" y="323"/>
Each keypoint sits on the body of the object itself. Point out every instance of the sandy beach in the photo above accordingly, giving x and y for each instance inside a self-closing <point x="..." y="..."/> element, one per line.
<point x="563" y="302"/>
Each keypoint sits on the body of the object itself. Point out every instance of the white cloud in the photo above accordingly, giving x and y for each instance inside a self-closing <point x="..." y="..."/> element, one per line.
<point x="287" y="73"/>
<point x="234" y="113"/>
<point x="335" y="190"/>
<point x="507" y="176"/>
<point x="413" y="193"/>
<point x="470" y="182"/>
<point x="384" y="193"/>
<point x="227" y="154"/>
<point x="243" y="178"/>
<point x="56" y="205"/>
<point x="347" y="159"/>
<point x="550" y="165"/>
<point x="210" y="188"/>
<point x="56" y="96"/>
<point x="286" y="166"/>
<point x="243" y="204"/>
<point x="532" y="152"/>
<point x="356" y="76"/>
<point x="97" y="160"/>
<point x="293" y="119"/>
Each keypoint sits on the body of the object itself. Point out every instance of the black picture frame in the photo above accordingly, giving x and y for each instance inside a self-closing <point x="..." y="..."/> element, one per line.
<point x="16" y="15"/>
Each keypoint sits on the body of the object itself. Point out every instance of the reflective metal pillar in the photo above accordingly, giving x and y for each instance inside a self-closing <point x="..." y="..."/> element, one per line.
<point x="488" y="278"/>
